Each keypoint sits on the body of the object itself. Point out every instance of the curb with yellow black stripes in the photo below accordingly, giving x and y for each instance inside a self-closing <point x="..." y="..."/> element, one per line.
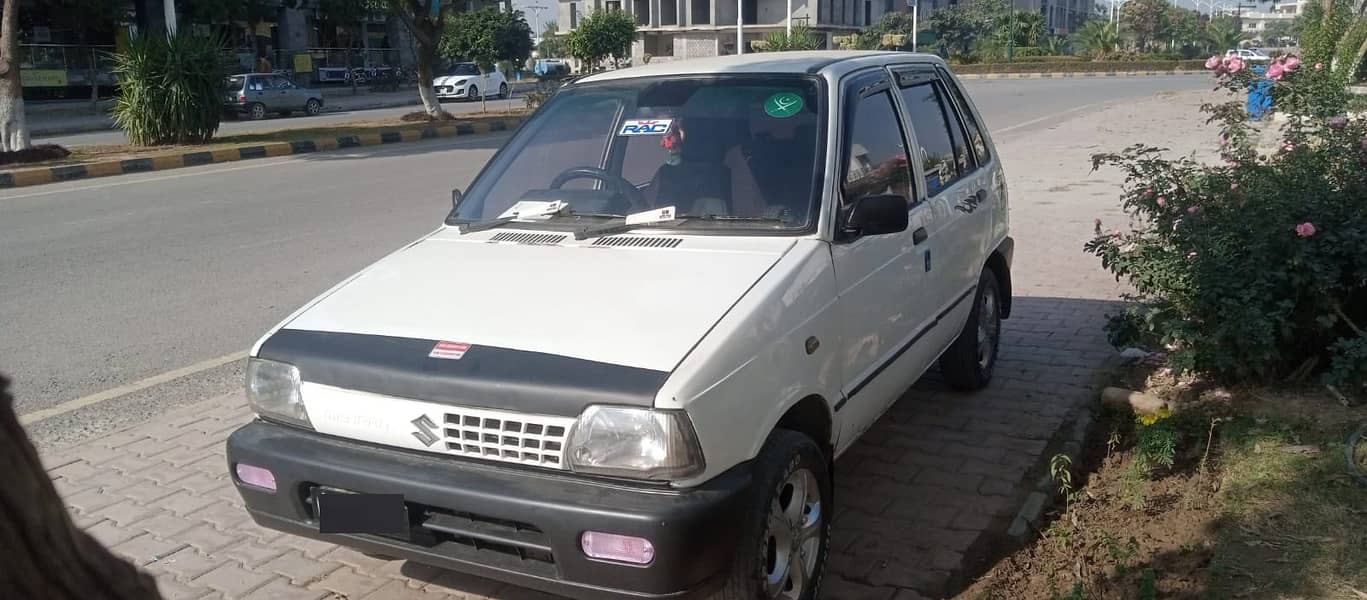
<point x="160" y="162"/>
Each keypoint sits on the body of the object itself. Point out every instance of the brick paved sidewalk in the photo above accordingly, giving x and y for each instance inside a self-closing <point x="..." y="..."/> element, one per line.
<point x="923" y="497"/>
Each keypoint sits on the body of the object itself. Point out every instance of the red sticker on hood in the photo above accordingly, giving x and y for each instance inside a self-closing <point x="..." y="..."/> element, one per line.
<point x="449" y="350"/>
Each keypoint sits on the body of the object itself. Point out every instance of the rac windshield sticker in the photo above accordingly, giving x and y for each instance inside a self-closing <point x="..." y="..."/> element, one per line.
<point x="783" y="105"/>
<point x="645" y="127"/>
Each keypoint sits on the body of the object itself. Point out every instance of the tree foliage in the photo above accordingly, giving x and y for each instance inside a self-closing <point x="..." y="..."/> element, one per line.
<point x="552" y="45"/>
<point x="600" y="35"/>
<point x="891" y="23"/>
<point x="958" y="26"/>
<point x="1224" y="34"/>
<point x="1145" y="20"/>
<point x="426" y="27"/>
<point x="486" y="37"/>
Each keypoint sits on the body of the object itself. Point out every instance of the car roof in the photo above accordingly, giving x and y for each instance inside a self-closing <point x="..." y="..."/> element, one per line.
<point x="830" y="62"/>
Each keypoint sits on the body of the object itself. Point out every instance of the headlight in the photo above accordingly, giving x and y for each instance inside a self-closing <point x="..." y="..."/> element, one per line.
<point x="273" y="392"/>
<point x="635" y="442"/>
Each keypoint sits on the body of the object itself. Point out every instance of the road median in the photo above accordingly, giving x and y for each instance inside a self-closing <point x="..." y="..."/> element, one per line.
<point x="120" y="160"/>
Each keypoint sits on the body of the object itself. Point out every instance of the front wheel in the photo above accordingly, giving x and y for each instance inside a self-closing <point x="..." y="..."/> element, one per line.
<point x="502" y="91"/>
<point x="787" y="529"/>
<point x="473" y="94"/>
<point x="313" y="107"/>
<point x="257" y="111"/>
<point x="967" y="364"/>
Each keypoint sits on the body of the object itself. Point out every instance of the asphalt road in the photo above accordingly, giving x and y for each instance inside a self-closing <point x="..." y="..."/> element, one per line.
<point x="126" y="296"/>
<point x="296" y="121"/>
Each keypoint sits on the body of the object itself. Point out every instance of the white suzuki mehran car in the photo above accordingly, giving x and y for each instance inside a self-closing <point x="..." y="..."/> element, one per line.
<point x="625" y="364"/>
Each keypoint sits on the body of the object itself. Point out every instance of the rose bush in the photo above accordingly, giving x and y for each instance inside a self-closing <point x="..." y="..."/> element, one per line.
<point x="1255" y="267"/>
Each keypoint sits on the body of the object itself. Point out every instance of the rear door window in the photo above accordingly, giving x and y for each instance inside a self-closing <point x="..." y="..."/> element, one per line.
<point x="976" y="140"/>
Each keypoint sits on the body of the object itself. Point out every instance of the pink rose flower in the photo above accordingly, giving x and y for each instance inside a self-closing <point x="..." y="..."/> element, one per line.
<point x="1319" y="66"/>
<point x="1193" y="209"/>
<point x="1213" y="61"/>
<point x="1291" y="63"/>
<point x="1275" y="71"/>
<point x="1234" y="65"/>
<point x="1162" y="201"/>
<point x="1305" y="229"/>
<point x="1233" y="187"/>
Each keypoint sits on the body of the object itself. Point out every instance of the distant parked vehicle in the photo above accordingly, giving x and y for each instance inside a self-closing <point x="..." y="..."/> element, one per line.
<point x="1250" y="55"/>
<point x="463" y="82"/>
<point x="258" y="94"/>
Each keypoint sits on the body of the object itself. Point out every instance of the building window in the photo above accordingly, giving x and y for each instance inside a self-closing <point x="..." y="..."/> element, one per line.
<point x="868" y="12"/>
<point x="574" y="15"/>
<point x="614" y="5"/>
<point x="702" y="12"/>
<point x="669" y="12"/>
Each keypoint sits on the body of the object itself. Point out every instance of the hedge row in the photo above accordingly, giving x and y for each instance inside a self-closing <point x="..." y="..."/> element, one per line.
<point x="1099" y="66"/>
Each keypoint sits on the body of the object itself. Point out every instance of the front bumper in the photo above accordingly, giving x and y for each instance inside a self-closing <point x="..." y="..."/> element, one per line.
<point x="447" y="91"/>
<point x="511" y="524"/>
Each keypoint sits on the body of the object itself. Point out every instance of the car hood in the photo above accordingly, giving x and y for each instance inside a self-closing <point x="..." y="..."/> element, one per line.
<point x="534" y="318"/>
<point x="453" y="79"/>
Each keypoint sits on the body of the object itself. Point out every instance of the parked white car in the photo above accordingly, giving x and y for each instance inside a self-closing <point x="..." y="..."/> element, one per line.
<point x="464" y="82"/>
<point x="1249" y="55"/>
<point x="625" y="364"/>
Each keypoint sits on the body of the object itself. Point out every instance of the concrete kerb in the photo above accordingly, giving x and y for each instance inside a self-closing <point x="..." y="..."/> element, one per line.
<point x="176" y="160"/>
<point x="1079" y="75"/>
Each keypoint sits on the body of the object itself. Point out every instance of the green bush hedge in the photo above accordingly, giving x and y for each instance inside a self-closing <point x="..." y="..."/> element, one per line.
<point x="171" y="89"/>
<point x="1079" y="66"/>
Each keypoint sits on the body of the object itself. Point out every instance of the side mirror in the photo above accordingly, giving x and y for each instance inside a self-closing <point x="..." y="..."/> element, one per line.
<point x="455" y="197"/>
<point x="877" y="215"/>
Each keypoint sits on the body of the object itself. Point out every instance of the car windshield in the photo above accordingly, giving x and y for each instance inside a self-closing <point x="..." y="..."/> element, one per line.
<point x="464" y="69"/>
<point x="737" y="152"/>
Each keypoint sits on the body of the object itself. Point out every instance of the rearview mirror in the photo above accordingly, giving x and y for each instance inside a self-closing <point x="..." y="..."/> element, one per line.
<point x="455" y="197"/>
<point x="877" y="215"/>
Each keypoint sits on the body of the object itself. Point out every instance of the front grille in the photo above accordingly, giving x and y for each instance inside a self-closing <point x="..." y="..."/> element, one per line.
<point x="639" y="241"/>
<point x="511" y="437"/>
<point x="528" y="238"/>
<point x="443" y="89"/>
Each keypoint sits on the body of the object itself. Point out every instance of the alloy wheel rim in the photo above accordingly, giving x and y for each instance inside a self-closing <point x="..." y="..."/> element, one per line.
<point x="793" y="538"/>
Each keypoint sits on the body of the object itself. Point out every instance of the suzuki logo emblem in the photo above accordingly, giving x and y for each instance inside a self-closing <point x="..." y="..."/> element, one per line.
<point x="425" y="433"/>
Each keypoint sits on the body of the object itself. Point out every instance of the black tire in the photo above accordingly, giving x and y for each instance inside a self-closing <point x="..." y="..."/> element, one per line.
<point x="313" y="107"/>
<point x="968" y="364"/>
<point x="786" y="456"/>
<point x="256" y="110"/>
<point x="473" y="94"/>
<point x="502" y="91"/>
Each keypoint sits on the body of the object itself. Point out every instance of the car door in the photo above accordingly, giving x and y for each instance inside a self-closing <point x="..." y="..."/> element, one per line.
<point x="955" y="193"/>
<point x="291" y="98"/>
<point x="884" y="303"/>
<point x="259" y="90"/>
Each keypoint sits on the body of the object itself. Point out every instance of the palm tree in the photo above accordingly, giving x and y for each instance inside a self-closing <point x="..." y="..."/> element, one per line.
<point x="1056" y="45"/>
<point x="1098" y="38"/>
<point x="1030" y="29"/>
<point x="1224" y="34"/>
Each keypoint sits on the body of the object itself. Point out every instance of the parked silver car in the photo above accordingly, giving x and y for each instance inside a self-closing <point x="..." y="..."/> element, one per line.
<point x="257" y="94"/>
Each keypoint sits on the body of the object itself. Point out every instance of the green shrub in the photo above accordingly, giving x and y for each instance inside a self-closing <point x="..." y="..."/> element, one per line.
<point x="170" y="89"/>
<point x="1254" y="269"/>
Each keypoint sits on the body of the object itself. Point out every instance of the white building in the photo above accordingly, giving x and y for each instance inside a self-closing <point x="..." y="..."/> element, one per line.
<point x="1256" y="22"/>
<point x="679" y="29"/>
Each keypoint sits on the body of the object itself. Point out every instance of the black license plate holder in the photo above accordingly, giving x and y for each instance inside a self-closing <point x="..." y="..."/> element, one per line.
<point x="346" y="512"/>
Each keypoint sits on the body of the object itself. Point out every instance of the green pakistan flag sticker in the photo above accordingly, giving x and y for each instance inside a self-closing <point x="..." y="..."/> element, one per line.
<point x="783" y="105"/>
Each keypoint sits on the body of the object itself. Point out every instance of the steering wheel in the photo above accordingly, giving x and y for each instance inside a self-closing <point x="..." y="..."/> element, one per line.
<point x="620" y="186"/>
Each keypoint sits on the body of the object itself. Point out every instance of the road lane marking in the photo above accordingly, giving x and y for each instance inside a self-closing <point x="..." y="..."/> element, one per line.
<point x="124" y="390"/>
<point x="1047" y="117"/>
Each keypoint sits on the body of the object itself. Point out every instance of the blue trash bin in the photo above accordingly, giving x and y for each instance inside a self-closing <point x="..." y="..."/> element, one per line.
<point x="1259" y="95"/>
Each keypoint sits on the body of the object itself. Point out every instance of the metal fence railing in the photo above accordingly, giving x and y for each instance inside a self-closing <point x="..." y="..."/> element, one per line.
<point x="55" y="71"/>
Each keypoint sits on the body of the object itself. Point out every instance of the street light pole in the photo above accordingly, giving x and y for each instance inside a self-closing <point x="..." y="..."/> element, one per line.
<point x="788" y="22"/>
<point x="536" y="16"/>
<point x="915" y="24"/>
<point x="740" y="32"/>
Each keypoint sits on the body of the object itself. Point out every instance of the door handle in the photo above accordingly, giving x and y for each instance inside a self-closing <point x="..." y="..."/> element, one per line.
<point x="919" y="236"/>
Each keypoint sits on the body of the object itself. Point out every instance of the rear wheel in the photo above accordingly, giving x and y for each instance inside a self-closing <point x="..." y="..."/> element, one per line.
<point x="786" y="535"/>
<point x="257" y="110"/>
<point x="502" y="91"/>
<point x="969" y="361"/>
<point x="313" y="106"/>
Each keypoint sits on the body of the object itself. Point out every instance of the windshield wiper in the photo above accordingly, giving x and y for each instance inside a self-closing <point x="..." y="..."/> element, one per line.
<point x="623" y="227"/>
<point x="474" y="226"/>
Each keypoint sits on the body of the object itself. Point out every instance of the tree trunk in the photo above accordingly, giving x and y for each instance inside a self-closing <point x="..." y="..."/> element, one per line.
<point x="426" y="54"/>
<point x="13" y="127"/>
<point x="46" y="556"/>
